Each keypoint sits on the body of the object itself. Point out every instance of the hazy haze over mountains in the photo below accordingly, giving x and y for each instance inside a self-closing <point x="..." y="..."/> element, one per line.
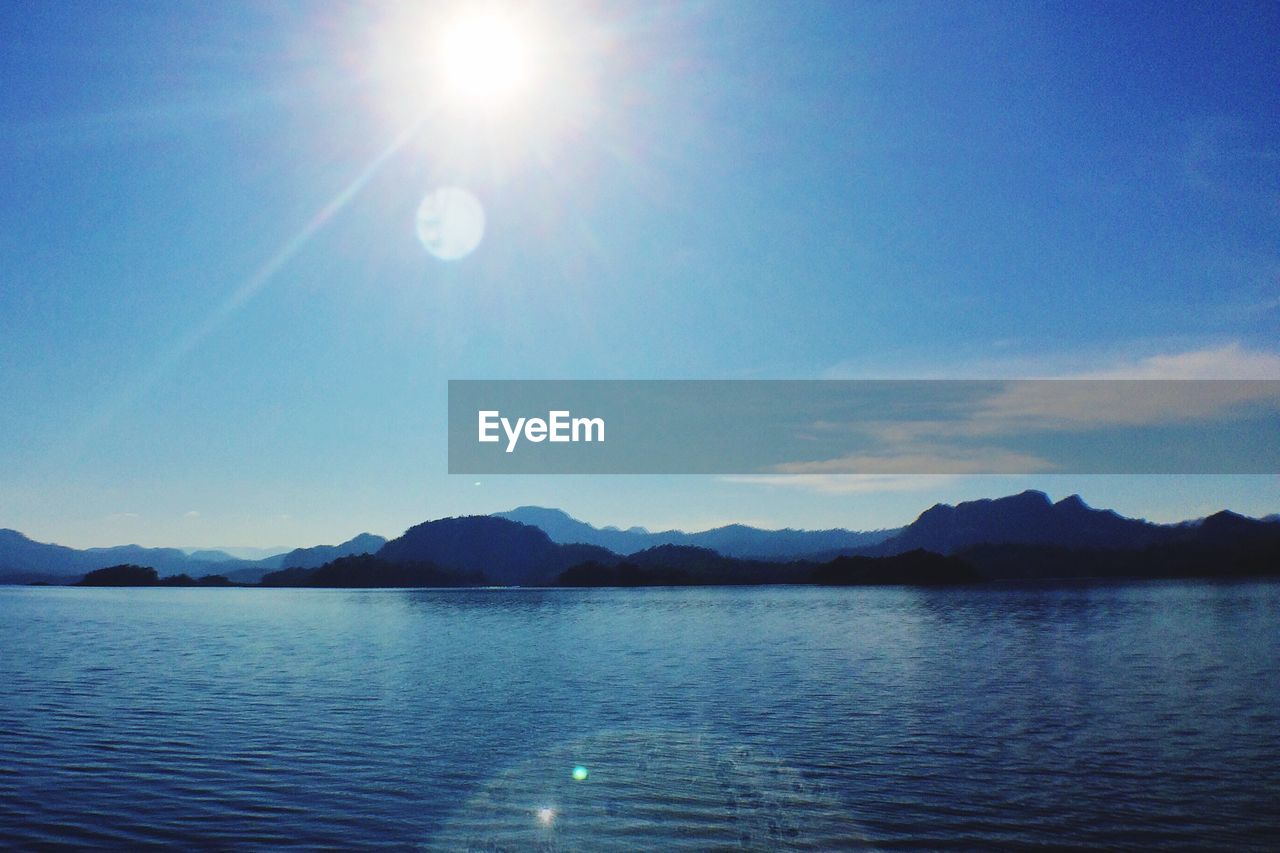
<point x="733" y="540"/>
<point x="23" y="560"/>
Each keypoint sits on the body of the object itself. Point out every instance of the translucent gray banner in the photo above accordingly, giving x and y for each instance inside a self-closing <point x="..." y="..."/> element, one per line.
<point x="1062" y="426"/>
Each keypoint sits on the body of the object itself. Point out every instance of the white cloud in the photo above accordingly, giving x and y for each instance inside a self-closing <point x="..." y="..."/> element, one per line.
<point x="1124" y="394"/>
<point x="1230" y="361"/>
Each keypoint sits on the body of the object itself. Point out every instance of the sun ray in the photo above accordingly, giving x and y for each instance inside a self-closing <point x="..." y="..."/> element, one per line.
<point x="237" y="299"/>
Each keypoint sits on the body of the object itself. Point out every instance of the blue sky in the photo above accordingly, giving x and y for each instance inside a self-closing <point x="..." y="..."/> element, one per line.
<point x="217" y="325"/>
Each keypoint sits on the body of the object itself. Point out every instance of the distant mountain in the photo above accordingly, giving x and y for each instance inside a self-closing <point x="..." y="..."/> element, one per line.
<point x="705" y="566"/>
<point x="310" y="558"/>
<point x="240" y="552"/>
<point x="23" y="560"/>
<point x="503" y="551"/>
<point x="733" y="540"/>
<point x="164" y="560"/>
<point x="1026" y="518"/>
<point x="209" y="555"/>
<point x="1230" y="529"/>
<point x="1019" y="536"/>
<point x="305" y="558"/>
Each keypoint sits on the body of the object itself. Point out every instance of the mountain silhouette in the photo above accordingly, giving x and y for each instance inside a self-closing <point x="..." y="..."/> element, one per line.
<point x="505" y="552"/>
<point x="366" y="571"/>
<point x="132" y="575"/>
<point x="310" y="558"/>
<point x="23" y="560"/>
<point x="1019" y="536"/>
<point x="732" y="540"/>
<point x="1023" y="519"/>
<point x="122" y="575"/>
<point x="212" y="555"/>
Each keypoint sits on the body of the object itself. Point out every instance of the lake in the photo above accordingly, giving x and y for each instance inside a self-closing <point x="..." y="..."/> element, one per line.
<point x="1086" y="715"/>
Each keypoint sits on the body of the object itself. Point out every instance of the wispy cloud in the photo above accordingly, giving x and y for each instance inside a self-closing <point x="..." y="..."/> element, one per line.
<point x="1228" y="361"/>
<point x="1008" y="427"/>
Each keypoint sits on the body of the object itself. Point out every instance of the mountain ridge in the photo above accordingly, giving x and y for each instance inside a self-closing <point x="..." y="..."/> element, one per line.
<point x="1027" y="518"/>
<point x="508" y="551"/>
<point x="731" y="540"/>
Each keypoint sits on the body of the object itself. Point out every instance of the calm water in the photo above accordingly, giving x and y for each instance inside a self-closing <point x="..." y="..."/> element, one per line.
<point x="1098" y="715"/>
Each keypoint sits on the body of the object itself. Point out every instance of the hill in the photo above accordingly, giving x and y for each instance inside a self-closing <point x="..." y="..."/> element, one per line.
<point x="23" y="560"/>
<point x="504" y="552"/>
<point x="1025" y="519"/>
<point x="733" y="540"/>
<point x="367" y="572"/>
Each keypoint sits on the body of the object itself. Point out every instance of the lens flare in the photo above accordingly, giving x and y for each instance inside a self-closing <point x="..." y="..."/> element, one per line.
<point x="450" y="223"/>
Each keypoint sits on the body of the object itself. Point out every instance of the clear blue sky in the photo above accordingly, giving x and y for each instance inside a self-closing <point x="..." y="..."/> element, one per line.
<point x="217" y="325"/>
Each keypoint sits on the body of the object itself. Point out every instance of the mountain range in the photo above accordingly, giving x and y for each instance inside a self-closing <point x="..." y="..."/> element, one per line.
<point x="733" y="540"/>
<point x="1023" y="535"/>
<point x="23" y="560"/>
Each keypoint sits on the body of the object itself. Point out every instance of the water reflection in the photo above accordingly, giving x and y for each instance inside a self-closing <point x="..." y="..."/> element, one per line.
<point x="1026" y="715"/>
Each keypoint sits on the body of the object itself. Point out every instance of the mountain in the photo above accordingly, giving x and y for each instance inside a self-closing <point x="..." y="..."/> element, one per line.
<point x="240" y="552"/>
<point x="129" y="575"/>
<point x="503" y="551"/>
<point x="705" y="566"/>
<point x="1019" y="536"/>
<point x="1227" y="527"/>
<point x="733" y="540"/>
<point x="305" y="558"/>
<point x="164" y="560"/>
<point x="211" y="555"/>
<point x="24" y="560"/>
<point x="21" y="557"/>
<point x="314" y="557"/>
<point x="1023" y="519"/>
<point x="367" y="572"/>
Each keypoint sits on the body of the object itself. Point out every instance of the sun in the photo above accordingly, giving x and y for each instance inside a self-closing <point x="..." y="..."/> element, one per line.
<point x="483" y="60"/>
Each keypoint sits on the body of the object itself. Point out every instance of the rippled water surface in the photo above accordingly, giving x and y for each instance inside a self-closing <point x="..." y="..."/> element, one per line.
<point x="771" y="718"/>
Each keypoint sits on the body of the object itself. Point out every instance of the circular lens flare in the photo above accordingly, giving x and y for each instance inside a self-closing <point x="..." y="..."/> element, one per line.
<point x="450" y="223"/>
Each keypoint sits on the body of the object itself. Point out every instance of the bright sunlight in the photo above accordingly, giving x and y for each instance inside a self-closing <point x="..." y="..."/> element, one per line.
<point x="484" y="60"/>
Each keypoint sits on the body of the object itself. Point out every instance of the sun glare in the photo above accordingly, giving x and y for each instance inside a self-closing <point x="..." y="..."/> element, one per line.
<point x="483" y="60"/>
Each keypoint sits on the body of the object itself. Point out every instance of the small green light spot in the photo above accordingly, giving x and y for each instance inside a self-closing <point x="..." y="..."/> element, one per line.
<point x="579" y="773"/>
